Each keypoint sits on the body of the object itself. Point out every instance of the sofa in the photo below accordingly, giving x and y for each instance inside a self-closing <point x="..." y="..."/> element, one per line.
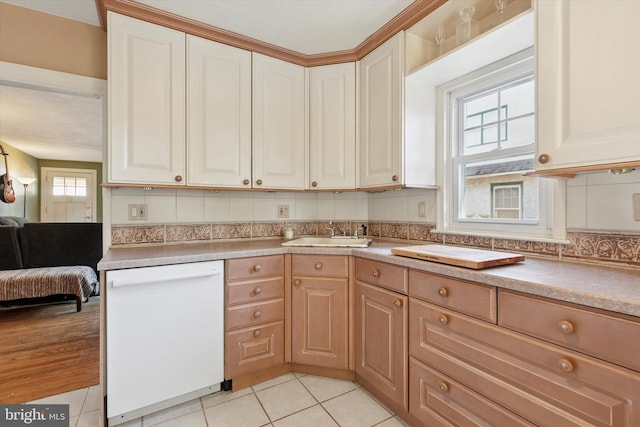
<point x="48" y="262"/>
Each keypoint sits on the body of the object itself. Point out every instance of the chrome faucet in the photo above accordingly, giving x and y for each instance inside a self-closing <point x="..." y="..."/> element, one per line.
<point x="333" y="232"/>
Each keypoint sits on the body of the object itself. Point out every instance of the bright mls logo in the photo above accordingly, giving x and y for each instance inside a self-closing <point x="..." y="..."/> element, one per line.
<point x="34" y="415"/>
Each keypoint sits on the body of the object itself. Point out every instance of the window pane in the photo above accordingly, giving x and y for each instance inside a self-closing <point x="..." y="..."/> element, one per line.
<point x="521" y="132"/>
<point x="496" y="189"/>
<point x="520" y="99"/>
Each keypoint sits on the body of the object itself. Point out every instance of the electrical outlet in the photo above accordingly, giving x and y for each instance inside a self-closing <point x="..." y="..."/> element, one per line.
<point x="137" y="212"/>
<point x="636" y="206"/>
<point x="422" y="208"/>
<point x="283" y="211"/>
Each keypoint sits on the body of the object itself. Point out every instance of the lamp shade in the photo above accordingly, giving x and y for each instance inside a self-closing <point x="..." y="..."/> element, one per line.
<point x="25" y="180"/>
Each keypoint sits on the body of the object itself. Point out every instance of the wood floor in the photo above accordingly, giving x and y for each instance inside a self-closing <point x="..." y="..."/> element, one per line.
<point x="48" y="350"/>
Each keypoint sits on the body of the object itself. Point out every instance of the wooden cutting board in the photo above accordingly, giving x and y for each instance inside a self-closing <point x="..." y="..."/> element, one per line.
<point x="462" y="257"/>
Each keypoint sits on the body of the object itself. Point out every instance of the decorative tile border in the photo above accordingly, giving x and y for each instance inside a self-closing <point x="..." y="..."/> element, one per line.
<point x="609" y="248"/>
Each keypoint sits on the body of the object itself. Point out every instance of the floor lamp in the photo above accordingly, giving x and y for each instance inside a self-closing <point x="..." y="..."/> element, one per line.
<point x="25" y="183"/>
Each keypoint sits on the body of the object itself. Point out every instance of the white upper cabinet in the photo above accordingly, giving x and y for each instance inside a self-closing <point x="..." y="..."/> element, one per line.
<point x="588" y="83"/>
<point x="279" y="124"/>
<point x="218" y="114"/>
<point x="381" y="101"/>
<point x="146" y="103"/>
<point x="332" y="123"/>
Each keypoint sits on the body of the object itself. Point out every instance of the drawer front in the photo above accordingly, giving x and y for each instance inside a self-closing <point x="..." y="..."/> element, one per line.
<point x="470" y="298"/>
<point x="258" y="290"/>
<point x="615" y="339"/>
<point x="435" y="399"/>
<point x="381" y="274"/>
<point x="252" y="349"/>
<point x="239" y="316"/>
<point x="255" y="267"/>
<point x="541" y="382"/>
<point x="320" y="265"/>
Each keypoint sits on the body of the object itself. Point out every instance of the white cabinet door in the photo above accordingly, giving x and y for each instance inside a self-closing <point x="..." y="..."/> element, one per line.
<point x="218" y="114"/>
<point x="381" y="90"/>
<point x="588" y="83"/>
<point x="279" y="111"/>
<point x="146" y="102"/>
<point x="332" y="126"/>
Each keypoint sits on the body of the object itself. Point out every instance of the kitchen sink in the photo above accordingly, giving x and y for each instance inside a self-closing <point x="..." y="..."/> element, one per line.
<point x="330" y="242"/>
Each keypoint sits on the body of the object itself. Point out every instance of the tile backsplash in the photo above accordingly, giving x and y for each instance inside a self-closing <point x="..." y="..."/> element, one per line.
<point x="600" y="222"/>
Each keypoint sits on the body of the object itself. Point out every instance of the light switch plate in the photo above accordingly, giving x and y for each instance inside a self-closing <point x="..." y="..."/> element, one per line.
<point x="636" y="206"/>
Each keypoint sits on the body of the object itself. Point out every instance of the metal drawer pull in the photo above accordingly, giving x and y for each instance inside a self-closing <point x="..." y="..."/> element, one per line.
<point x="258" y="267"/>
<point x="565" y="365"/>
<point x="376" y="273"/>
<point x="297" y="282"/>
<point x="443" y="292"/>
<point x="257" y="314"/>
<point x="318" y="265"/>
<point x="444" y="387"/>
<point x="398" y="303"/>
<point x="256" y="333"/>
<point x="257" y="291"/>
<point x="565" y="327"/>
<point x="443" y="319"/>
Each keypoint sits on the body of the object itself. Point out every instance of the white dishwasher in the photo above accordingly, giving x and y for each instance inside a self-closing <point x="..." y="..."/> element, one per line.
<point x="164" y="336"/>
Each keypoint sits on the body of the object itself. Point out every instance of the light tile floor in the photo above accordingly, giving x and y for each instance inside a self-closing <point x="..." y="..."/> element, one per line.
<point x="292" y="400"/>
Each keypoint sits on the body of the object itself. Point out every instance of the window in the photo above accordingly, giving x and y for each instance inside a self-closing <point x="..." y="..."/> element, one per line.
<point x="488" y="146"/>
<point x="69" y="186"/>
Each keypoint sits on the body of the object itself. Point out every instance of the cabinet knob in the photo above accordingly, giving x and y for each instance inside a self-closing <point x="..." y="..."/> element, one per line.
<point x="257" y="314"/>
<point x="314" y="184"/>
<point x="376" y="273"/>
<point x="318" y="265"/>
<point x="259" y="181"/>
<point x="398" y="303"/>
<point x="544" y="158"/>
<point x="257" y="291"/>
<point x="297" y="282"/>
<point x="444" y="387"/>
<point x="246" y="182"/>
<point x="443" y="292"/>
<point x="258" y="267"/>
<point x="394" y="178"/>
<point x="178" y="178"/>
<point x="565" y="327"/>
<point x="443" y="319"/>
<point x="257" y="333"/>
<point x="566" y="365"/>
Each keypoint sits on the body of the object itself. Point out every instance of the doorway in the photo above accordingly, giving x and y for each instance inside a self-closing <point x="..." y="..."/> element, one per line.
<point x="68" y="195"/>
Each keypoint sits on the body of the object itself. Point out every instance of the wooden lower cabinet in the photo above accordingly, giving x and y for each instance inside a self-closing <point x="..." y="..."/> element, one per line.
<point x="252" y="349"/>
<point x="320" y="311"/>
<point x="543" y="383"/>
<point x="381" y="344"/>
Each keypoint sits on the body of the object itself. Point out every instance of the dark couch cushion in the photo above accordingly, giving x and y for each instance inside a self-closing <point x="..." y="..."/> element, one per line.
<point x="61" y="244"/>
<point x="10" y="257"/>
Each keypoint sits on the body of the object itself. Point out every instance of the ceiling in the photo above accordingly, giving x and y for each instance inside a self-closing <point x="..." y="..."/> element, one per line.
<point x="57" y="126"/>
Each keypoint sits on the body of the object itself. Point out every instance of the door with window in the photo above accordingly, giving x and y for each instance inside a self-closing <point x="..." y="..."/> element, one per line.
<point x="68" y="195"/>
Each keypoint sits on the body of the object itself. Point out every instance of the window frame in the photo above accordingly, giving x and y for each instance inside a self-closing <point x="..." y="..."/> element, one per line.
<point x="551" y="225"/>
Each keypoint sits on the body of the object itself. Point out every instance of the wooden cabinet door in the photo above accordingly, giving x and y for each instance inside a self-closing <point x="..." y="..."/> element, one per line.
<point x="332" y="126"/>
<point x="381" y="89"/>
<point x="320" y="317"/>
<point x="381" y="342"/>
<point x="218" y="114"/>
<point x="587" y="71"/>
<point x="279" y="110"/>
<point x="146" y="103"/>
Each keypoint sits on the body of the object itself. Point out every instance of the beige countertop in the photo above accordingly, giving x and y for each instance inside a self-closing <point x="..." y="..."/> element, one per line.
<point x="610" y="288"/>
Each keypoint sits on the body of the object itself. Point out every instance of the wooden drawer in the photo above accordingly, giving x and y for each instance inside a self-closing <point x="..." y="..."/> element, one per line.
<point x="470" y="298"/>
<point x="239" y="316"/>
<point x="252" y="349"/>
<point x="543" y="383"/>
<point x="320" y="265"/>
<point x="437" y="400"/>
<point x="612" y="338"/>
<point x="382" y="274"/>
<point x="254" y="267"/>
<point x="257" y="290"/>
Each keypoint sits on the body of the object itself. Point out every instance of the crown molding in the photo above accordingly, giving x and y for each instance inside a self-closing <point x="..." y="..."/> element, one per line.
<point x="408" y="17"/>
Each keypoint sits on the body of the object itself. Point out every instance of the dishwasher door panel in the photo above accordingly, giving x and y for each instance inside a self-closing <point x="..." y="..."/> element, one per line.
<point x="164" y="328"/>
